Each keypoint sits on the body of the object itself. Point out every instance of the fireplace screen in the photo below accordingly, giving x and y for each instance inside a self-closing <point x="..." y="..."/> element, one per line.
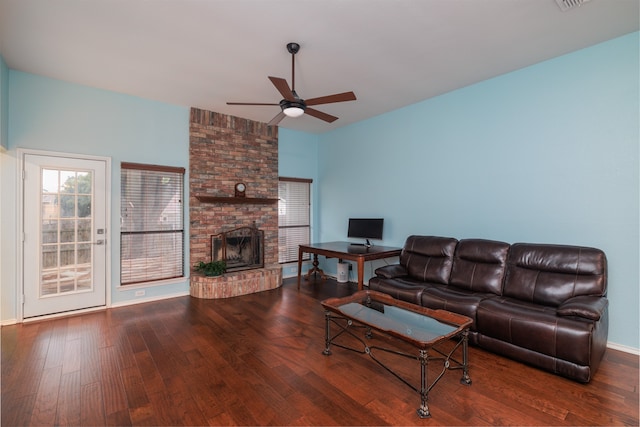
<point x="241" y="248"/>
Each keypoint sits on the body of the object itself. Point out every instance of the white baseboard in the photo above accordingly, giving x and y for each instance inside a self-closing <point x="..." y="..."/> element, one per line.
<point x="9" y="322"/>
<point x="64" y="314"/>
<point x="623" y="348"/>
<point x="149" y="299"/>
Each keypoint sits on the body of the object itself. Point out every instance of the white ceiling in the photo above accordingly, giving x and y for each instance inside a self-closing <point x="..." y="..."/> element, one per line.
<point x="203" y="53"/>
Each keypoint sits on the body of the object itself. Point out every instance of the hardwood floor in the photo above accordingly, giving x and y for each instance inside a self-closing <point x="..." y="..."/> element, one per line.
<point x="257" y="360"/>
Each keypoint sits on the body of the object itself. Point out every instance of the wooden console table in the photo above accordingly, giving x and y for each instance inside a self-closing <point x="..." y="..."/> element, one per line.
<point x="344" y="250"/>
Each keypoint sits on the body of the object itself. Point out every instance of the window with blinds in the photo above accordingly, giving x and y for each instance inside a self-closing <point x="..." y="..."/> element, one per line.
<point x="151" y="223"/>
<point x="294" y="207"/>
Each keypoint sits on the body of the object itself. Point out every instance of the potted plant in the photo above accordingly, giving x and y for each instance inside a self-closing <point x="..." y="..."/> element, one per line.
<point x="214" y="268"/>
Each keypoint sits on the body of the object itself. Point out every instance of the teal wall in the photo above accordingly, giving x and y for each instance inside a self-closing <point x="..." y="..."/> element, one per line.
<point x="53" y="115"/>
<point x="545" y="154"/>
<point x="4" y="103"/>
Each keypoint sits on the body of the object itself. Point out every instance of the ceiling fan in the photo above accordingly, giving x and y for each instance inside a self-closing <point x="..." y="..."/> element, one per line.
<point x="294" y="106"/>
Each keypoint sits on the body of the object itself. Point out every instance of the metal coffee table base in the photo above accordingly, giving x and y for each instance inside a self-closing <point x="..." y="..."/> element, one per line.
<point x="346" y="326"/>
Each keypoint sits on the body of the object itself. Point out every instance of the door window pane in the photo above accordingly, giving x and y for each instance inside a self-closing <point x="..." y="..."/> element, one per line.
<point x="49" y="232"/>
<point x="65" y="229"/>
<point x="84" y="230"/>
<point x="83" y="207"/>
<point x="84" y="254"/>
<point x="49" y="256"/>
<point x="67" y="206"/>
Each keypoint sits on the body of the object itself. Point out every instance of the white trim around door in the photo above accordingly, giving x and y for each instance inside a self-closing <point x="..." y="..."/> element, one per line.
<point x="73" y="292"/>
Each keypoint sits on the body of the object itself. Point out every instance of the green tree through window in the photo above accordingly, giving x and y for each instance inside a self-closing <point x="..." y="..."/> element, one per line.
<point x="76" y="191"/>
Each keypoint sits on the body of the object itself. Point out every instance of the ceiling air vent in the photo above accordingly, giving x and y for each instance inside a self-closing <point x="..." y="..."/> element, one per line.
<point x="570" y="4"/>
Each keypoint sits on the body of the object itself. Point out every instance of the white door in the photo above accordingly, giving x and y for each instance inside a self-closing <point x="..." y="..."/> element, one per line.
<point x="65" y="247"/>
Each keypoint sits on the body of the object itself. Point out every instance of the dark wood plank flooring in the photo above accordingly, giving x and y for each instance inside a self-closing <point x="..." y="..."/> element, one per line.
<point x="257" y="360"/>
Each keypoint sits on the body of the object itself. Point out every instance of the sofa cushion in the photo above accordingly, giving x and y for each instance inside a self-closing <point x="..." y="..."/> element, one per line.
<point x="537" y="328"/>
<point x="453" y="299"/>
<point x="391" y="271"/>
<point x="405" y="289"/>
<point x="428" y="258"/>
<point x="551" y="274"/>
<point x="479" y="265"/>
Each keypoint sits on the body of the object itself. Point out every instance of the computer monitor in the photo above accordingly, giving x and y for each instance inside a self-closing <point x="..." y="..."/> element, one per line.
<point x="365" y="228"/>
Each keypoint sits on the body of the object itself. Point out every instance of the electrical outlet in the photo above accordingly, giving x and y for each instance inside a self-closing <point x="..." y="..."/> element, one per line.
<point x="140" y="293"/>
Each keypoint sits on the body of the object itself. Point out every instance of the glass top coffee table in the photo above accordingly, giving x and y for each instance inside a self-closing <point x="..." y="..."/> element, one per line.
<point x="421" y="327"/>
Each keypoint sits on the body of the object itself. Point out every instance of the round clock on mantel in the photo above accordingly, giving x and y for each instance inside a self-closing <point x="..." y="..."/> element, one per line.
<point x="240" y="189"/>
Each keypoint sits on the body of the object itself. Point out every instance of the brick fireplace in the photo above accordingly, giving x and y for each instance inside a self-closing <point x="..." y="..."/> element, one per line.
<point x="225" y="150"/>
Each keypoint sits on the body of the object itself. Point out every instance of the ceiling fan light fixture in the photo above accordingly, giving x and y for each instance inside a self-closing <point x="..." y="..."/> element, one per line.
<point x="293" y="111"/>
<point x="292" y="108"/>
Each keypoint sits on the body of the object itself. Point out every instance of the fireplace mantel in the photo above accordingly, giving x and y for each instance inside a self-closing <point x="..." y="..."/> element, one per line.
<point x="236" y="200"/>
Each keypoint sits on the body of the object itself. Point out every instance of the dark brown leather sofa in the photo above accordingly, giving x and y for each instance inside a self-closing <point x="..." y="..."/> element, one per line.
<point x="544" y="305"/>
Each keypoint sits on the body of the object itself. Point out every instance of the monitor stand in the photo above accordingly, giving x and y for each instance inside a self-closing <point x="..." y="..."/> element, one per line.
<point x="366" y="245"/>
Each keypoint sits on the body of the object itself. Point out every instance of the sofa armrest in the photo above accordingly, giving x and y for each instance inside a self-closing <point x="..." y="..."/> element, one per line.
<point x="588" y="307"/>
<point x="391" y="271"/>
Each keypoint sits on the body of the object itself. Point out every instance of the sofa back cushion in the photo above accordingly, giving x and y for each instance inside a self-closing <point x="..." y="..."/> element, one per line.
<point x="428" y="258"/>
<point x="479" y="265"/>
<point x="551" y="274"/>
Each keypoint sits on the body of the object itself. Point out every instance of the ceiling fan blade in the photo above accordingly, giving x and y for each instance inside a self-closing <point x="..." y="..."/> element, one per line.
<point x="277" y="119"/>
<point x="320" y="115"/>
<point x="338" y="97"/>
<point x="283" y="88"/>
<point x="249" y="103"/>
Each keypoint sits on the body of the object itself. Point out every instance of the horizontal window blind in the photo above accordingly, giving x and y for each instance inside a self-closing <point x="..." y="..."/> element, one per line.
<point x="294" y="218"/>
<point x="151" y="223"/>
